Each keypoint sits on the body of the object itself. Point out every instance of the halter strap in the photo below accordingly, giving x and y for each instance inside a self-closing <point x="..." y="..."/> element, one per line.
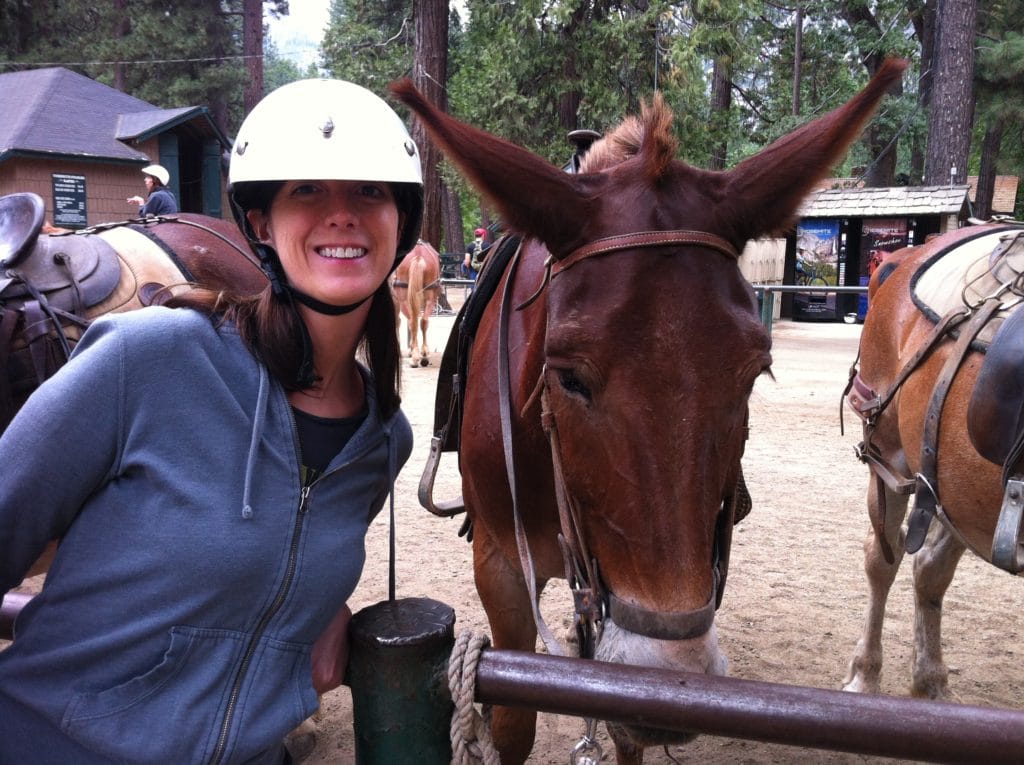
<point x="645" y="239"/>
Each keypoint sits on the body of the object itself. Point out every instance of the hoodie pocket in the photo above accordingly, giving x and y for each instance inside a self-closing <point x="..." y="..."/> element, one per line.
<point x="169" y="713"/>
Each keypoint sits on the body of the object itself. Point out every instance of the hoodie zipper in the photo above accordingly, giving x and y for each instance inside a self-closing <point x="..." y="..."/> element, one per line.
<point x="275" y="606"/>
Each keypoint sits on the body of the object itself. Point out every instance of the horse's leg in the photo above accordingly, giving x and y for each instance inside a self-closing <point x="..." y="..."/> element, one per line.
<point x="415" y="309"/>
<point x="429" y="305"/>
<point x="424" y="350"/>
<point x="414" y="337"/>
<point x="934" y="566"/>
<point x="507" y="603"/>
<point x="865" y="669"/>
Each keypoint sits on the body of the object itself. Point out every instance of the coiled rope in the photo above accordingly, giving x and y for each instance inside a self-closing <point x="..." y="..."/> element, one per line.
<point x="470" y="729"/>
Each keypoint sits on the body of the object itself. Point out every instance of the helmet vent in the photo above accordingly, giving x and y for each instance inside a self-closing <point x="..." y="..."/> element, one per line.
<point x="410" y="148"/>
<point x="327" y="128"/>
<point x="240" y="148"/>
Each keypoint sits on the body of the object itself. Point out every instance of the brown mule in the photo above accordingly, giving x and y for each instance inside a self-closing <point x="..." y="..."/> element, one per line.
<point x="608" y="384"/>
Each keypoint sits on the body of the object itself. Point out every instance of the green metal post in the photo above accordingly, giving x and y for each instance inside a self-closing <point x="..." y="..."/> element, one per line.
<point x="398" y="669"/>
<point x="767" y="309"/>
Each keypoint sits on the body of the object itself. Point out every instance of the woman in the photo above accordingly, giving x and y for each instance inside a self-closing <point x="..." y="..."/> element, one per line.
<point x="213" y="467"/>
<point x="159" y="199"/>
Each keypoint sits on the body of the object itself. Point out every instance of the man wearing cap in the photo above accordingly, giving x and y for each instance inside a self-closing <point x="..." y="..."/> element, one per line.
<point x="472" y="263"/>
<point x="160" y="199"/>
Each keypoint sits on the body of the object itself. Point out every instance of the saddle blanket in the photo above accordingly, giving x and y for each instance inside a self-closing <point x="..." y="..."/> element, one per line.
<point x="970" y="272"/>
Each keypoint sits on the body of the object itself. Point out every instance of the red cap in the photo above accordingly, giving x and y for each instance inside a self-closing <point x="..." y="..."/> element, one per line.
<point x="480" y="232"/>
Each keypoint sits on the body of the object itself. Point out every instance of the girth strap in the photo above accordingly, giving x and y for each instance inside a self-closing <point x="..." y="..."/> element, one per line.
<point x="926" y="502"/>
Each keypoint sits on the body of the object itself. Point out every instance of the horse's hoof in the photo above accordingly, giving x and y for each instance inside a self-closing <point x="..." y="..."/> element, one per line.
<point x="424" y="362"/>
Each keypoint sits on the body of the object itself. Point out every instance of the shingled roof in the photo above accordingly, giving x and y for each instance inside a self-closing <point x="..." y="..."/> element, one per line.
<point x="59" y="112"/>
<point x="894" y="201"/>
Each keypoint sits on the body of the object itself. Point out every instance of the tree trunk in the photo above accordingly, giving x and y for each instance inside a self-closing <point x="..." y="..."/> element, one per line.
<point x="952" y="106"/>
<point x="454" y="238"/>
<point x="569" y="99"/>
<point x="881" y="146"/>
<point x="721" y="100"/>
<point x="122" y="27"/>
<point x="987" y="174"/>
<point x="798" y="55"/>
<point x="252" y="50"/>
<point x="923" y="19"/>
<point x="430" y="74"/>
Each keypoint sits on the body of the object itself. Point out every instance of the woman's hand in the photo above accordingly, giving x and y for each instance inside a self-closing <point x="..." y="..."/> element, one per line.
<point x="136" y="200"/>
<point x="330" y="653"/>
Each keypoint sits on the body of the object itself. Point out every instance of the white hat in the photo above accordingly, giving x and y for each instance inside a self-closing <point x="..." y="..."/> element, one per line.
<point x="159" y="172"/>
<point x="325" y="130"/>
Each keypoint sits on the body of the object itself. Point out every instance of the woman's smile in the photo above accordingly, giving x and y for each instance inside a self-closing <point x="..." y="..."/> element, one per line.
<point x="336" y="239"/>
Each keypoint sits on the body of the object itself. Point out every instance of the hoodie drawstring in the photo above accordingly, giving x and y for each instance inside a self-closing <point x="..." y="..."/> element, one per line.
<point x="258" y="423"/>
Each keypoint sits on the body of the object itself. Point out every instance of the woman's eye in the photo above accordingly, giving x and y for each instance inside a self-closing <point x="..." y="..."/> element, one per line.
<point x="374" y="191"/>
<point x="303" y="188"/>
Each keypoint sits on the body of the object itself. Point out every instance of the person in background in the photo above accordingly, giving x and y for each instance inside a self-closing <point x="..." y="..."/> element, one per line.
<point x="470" y="264"/>
<point x="211" y="466"/>
<point x="159" y="199"/>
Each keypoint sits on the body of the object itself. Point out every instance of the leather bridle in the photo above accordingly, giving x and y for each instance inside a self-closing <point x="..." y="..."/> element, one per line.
<point x="593" y="601"/>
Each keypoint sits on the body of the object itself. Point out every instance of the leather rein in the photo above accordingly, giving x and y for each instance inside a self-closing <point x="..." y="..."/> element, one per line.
<point x="592" y="600"/>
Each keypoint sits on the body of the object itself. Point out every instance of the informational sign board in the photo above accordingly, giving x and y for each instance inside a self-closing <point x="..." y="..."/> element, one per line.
<point x="817" y="255"/>
<point x="69" y="201"/>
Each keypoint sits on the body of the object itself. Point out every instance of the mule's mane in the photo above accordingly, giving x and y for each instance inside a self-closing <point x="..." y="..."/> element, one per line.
<point x="650" y="134"/>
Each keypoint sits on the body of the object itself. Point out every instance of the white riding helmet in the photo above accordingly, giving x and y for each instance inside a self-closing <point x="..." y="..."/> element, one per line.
<point x="159" y="172"/>
<point x="324" y="129"/>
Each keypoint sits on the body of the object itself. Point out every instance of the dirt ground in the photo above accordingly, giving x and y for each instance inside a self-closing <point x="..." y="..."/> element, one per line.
<point x="796" y="594"/>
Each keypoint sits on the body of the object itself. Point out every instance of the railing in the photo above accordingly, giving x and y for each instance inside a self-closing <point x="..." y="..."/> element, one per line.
<point x="769" y="290"/>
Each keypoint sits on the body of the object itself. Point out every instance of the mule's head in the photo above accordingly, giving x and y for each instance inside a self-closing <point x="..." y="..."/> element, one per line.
<point x="651" y="350"/>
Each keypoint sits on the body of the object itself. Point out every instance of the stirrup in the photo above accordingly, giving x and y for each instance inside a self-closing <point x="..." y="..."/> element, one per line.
<point x="1007" y="551"/>
<point x="447" y="509"/>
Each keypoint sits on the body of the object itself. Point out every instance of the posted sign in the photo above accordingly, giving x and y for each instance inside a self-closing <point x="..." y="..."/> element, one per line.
<point x="69" y="200"/>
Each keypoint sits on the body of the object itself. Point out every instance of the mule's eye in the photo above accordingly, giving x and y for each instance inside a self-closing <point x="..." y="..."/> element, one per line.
<point x="572" y="384"/>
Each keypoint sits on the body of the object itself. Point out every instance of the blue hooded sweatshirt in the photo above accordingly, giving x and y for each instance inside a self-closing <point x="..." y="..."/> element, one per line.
<point x="196" y="571"/>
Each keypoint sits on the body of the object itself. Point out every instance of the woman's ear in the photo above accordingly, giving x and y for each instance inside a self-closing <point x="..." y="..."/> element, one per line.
<point x="260" y="224"/>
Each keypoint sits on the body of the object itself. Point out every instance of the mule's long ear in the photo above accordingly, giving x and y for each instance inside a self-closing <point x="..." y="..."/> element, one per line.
<point x="766" y="190"/>
<point x="533" y="196"/>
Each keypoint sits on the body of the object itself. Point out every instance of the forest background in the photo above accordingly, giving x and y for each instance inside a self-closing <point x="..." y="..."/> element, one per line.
<point x="737" y="73"/>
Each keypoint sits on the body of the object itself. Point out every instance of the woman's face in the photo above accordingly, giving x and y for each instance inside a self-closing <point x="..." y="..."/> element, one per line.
<point x="336" y="239"/>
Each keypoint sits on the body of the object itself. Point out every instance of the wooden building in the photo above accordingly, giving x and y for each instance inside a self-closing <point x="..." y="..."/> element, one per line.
<point x="80" y="145"/>
<point x="843" y="234"/>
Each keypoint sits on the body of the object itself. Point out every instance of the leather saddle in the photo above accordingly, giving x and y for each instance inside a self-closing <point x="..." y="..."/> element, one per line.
<point x="46" y="286"/>
<point x="21" y="217"/>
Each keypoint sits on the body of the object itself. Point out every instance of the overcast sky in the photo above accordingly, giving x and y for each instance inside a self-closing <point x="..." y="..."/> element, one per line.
<point x="298" y="34"/>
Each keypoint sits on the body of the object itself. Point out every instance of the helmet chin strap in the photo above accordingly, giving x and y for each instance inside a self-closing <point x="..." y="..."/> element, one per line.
<point x="320" y="307"/>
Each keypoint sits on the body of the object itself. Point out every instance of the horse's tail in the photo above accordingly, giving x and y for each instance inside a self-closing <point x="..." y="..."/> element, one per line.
<point x="417" y="266"/>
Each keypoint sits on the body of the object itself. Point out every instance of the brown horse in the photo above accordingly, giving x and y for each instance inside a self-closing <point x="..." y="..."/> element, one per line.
<point x="923" y="338"/>
<point x="608" y="384"/>
<point x="45" y="306"/>
<point x="416" y="286"/>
